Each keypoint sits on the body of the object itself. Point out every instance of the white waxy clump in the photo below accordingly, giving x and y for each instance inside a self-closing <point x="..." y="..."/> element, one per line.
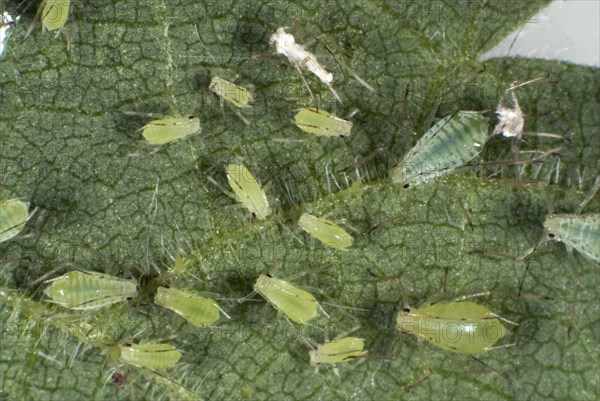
<point x="296" y="54"/>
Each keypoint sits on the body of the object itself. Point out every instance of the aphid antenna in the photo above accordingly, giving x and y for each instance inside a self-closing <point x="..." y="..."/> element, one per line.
<point x="519" y="84"/>
<point x="142" y="114"/>
<point x="453" y="88"/>
<point x="571" y="321"/>
<point x="536" y="297"/>
<point x="225" y="191"/>
<point x="44" y="277"/>
<point x="589" y="196"/>
<point x="153" y="211"/>
<point x="343" y="66"/>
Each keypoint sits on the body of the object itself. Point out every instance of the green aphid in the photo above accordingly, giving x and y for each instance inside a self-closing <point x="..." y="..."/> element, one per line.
<point x="197" y="310"/>
<point x="54" y="14"/>
<point x="236" y="95"/>
<point x="581" y="232"/>
<point x="325" y="231"/>
<point x="13" y="216"/>
<point x="146" y="355"/>
<point x="298" y="305"/>
<point x="462" y="327"/>
<point x="159" y="132"/>
<point x="322" y="123"/>
<point x="451" y="143"/>
<point x="248" y="191"/>
<point x="89" y="290"/>
<point x="337" y="351"/>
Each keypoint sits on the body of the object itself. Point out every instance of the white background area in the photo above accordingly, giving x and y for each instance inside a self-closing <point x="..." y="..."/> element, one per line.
<point x="566" y="30"/>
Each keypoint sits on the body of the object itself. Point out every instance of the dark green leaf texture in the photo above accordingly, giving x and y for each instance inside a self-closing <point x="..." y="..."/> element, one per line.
<point x="110" y="205"/>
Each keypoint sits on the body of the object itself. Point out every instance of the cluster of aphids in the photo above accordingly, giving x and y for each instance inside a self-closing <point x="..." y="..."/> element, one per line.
<point x="449" y="144"/>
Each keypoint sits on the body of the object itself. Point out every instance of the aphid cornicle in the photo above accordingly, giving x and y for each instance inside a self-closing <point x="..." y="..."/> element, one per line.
<point x="581" y="232"/>
<point x="234" y="94"/>
<point x="54" y="14"/>
<point x="463" y="327"/>
<point x="89" y="290"/>
<point x="298" y="305"/>
<point x="326" y="231"/>
<point x="248" y="191"/>
<point x="197" y="310"/>
<point x="161" y="131"/>
<point x="146" y="355"/>
<point x="322" y="123"/>
<point x="13" y="216"/>
<point x="338" y="351"/>
<point x="451" y="143"/>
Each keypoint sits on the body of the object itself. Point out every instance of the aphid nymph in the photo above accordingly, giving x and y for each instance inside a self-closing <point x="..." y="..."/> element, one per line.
<point x="298" y="305"/>
<point x="89" y="290"/>
<point x="322" y="123"/>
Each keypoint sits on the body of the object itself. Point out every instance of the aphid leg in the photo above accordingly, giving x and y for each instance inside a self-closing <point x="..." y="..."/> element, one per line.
<point x="426" y="375"/>
<point x="225" y="191"/>
<point x="440" y="295"/>
<point x="359" y="162"/>
<point x="402" y="215"/>
<point x="460" y="202"/>
<point x="398" y="282"/>
<point x="501" y="374"/>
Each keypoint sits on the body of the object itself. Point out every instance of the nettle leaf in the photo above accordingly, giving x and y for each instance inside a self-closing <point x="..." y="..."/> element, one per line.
<point x="111" y="203"/>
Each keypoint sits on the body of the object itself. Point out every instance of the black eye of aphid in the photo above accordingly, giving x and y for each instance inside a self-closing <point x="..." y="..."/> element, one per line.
<point x="406" y="186"/>
<point x="551" y="235"/>
<point x="406" y="310"/>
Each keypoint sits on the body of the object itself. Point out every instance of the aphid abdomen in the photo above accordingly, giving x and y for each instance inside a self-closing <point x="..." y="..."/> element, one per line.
<point x="450" y="143"/>
<point x="462" y="327"/>
<point x="581" y="232"/>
